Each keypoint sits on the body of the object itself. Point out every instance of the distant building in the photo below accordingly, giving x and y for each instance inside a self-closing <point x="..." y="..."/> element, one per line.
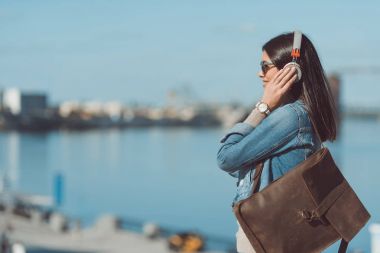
<point x="1" y="100"/>
<point x="23" y="104"/>
<point x="335" y="87"/>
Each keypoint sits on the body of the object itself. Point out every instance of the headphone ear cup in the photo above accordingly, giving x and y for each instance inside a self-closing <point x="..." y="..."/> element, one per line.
<point x="298" y="69"/>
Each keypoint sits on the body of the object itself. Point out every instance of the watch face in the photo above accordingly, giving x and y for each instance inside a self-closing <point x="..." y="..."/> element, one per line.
<point x="263" y="107"/>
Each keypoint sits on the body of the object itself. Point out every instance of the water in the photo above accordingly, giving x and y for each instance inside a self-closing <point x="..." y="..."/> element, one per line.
<point x="168" y="176"/>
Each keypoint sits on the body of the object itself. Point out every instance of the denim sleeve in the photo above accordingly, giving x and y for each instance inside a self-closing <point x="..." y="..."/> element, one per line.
<point x="238" y="131"/>
<point x="235" y="134"/>
<point x="245" y="144"/>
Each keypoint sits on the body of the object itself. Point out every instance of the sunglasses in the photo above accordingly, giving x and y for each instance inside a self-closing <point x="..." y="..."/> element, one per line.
<point x="265" y="66"/>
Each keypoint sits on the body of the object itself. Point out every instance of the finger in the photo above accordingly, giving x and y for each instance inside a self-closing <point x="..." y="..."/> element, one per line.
<point x="275" y="77"/>
<point x="287" y="77"/>
<point x="281" y="75"/>
<point x="288" y="84"/>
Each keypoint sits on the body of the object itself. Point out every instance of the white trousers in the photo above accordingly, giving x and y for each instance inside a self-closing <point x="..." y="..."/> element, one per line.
<point x="242" y="243"/>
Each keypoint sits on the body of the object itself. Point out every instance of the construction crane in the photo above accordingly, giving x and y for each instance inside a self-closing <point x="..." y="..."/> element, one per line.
<point x="335" y="81"/>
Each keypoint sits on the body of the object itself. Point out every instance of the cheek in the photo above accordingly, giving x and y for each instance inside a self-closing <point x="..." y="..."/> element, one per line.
<point x="271" y="73"/>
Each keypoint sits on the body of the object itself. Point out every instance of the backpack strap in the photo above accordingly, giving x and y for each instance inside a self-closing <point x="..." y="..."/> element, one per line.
<point x="343" y="246"/>
<point x="257" y="177"/>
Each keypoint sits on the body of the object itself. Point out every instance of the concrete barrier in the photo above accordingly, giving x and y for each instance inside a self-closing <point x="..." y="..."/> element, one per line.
<point x="151" y="230"/>
<point x="374" y="229"/>
<point x="58" y="222"/>
<point x="108" y="223"/>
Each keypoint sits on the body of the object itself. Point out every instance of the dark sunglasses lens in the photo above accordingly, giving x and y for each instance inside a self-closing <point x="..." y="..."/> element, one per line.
<point x="265" y="66"/>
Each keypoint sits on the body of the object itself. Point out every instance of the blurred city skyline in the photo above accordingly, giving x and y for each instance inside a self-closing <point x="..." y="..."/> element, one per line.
<point x="140" y="50"/>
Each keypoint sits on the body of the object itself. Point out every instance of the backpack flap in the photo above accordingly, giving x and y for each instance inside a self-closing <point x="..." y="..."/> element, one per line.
<point x="334" y="198"/>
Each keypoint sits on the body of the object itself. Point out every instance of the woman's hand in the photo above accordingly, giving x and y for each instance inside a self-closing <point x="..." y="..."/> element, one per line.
<point x="275" y="90"/>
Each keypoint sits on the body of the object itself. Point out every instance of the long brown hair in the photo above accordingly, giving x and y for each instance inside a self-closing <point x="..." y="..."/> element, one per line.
<point x="313" y="88"/>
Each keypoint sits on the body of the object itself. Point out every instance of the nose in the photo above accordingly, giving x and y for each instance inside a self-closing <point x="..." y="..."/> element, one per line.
<point x="260" y="74"/>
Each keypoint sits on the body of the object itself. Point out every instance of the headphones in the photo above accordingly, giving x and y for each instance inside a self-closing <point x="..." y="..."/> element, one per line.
<point x="296" y="54"/>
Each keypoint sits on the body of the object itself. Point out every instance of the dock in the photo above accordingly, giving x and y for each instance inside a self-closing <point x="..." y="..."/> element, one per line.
<point x="103" y="237"/>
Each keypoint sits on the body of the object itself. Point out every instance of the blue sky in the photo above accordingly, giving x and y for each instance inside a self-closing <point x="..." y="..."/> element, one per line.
<point x="135" y="51"/>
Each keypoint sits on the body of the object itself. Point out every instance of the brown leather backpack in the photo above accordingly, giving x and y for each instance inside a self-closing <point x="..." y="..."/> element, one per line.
<point x="305" y="211"/>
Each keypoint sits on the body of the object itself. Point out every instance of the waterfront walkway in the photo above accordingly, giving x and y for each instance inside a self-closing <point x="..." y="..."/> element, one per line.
<point x="35" y="234"/>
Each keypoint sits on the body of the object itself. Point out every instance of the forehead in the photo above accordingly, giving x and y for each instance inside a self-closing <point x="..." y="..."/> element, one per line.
<point x="265" y="56"/>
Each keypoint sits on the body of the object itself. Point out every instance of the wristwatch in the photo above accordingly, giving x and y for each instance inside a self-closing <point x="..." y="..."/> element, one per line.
<point x="263" y="107"/>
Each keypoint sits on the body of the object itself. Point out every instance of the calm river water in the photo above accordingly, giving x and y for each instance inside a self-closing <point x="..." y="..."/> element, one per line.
<point x="165" y="175"/>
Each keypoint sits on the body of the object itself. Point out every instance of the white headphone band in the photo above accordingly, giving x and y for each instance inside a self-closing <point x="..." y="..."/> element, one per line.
<point x="296" y="45"/>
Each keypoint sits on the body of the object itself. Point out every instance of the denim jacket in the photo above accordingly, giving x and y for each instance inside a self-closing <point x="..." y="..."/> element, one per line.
<point x="282" y="140"/>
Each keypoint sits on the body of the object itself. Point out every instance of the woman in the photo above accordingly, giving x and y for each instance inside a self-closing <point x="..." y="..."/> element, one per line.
<point x="279" y="131"/>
